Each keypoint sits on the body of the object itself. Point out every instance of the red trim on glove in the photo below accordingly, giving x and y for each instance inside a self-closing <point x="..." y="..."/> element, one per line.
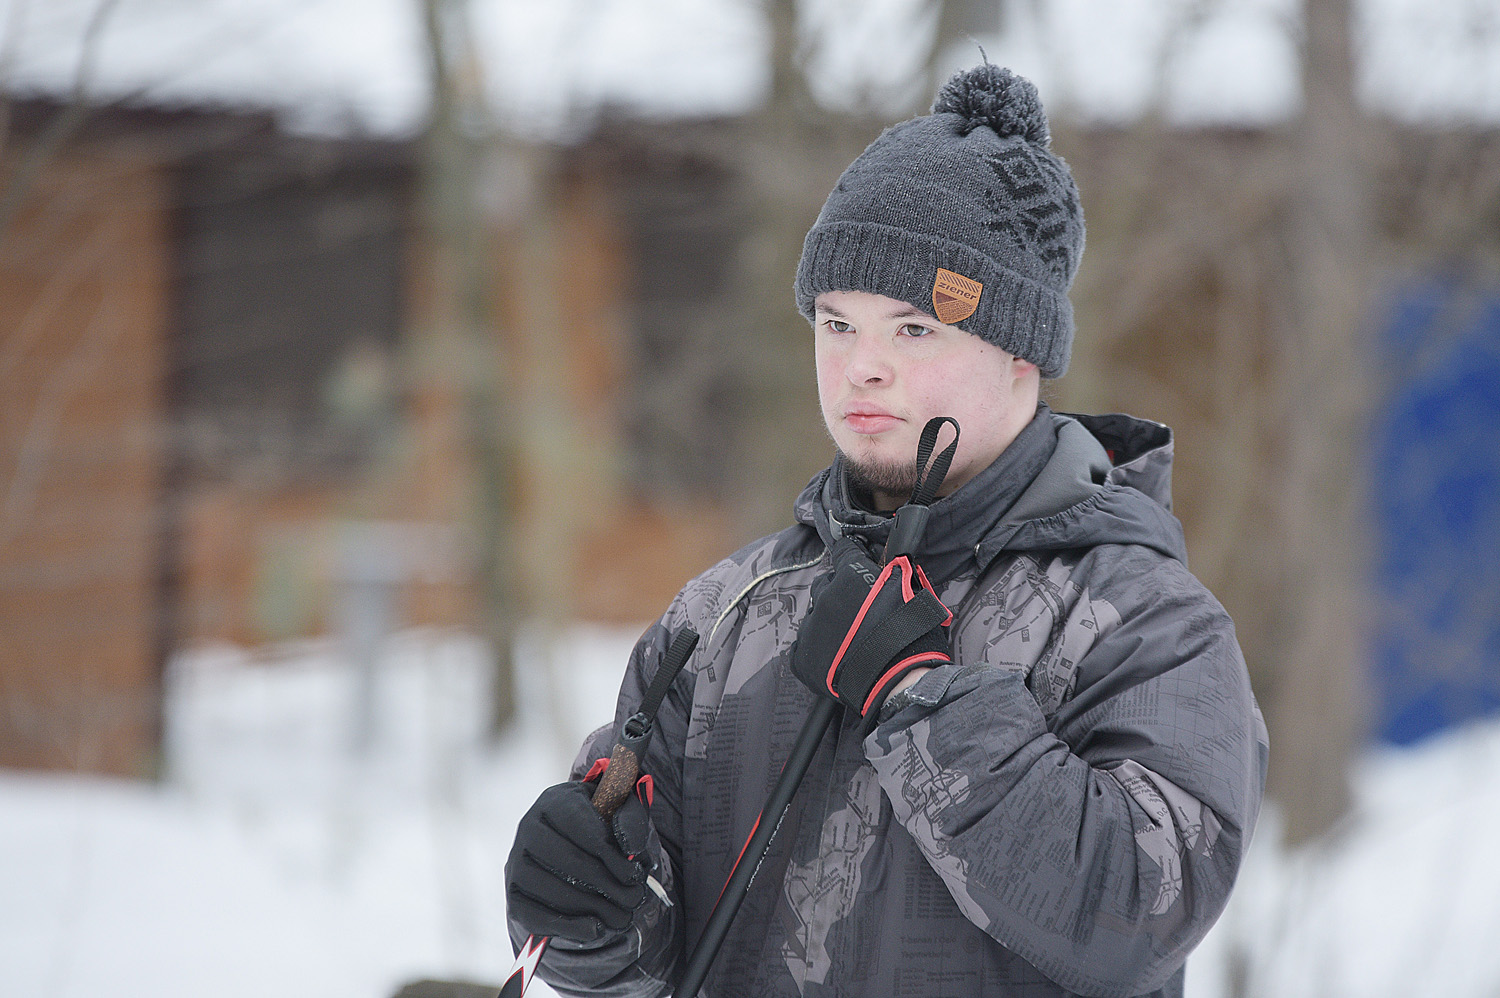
<point x="649" y="785"/>
<point x="906" y="573"/>
<point x="928" y="586"/>
<point x="860" y="617"/>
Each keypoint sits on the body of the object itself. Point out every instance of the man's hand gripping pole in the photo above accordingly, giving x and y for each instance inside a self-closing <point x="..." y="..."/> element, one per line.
<point x="616" y="786"/>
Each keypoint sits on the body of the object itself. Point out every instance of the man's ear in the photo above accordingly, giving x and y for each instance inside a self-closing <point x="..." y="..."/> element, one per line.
<point x="1025" y="378"/>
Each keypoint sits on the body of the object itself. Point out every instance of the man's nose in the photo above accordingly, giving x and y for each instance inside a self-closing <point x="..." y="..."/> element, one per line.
<point x="869" y="361"/>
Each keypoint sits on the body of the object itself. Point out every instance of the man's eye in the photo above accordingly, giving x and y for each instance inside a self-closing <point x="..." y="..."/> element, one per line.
<point x="912" y="329"/>
<point x="839" y="327"/>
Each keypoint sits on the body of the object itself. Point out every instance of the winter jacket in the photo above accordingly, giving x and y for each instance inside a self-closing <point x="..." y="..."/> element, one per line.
<point x="1061" y="810"/>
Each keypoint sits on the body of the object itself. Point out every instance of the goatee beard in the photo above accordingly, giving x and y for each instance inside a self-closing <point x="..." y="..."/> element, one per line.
<point x="894" y="480"/>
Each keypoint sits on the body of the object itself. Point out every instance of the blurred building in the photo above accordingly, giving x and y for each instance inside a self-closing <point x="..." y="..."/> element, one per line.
<point x="227" y="407"/>
<point x="224" y="411"/>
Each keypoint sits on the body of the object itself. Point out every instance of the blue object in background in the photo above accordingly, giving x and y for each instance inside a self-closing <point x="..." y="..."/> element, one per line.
<point x="1436" y="491"/>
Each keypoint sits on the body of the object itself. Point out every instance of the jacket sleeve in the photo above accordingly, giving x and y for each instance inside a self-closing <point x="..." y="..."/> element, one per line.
<point x="1098" y="843"/>
<point x="643" y="962"/>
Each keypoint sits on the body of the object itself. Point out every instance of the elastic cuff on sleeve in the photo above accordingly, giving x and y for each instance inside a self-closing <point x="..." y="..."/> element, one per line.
<point x="927" y="692"/>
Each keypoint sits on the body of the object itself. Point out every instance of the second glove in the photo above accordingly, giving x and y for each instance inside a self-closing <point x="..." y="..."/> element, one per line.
<point x="573" y="873"/>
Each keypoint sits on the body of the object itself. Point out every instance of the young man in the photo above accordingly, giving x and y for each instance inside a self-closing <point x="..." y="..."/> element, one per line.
<point x="1047" y="791"/>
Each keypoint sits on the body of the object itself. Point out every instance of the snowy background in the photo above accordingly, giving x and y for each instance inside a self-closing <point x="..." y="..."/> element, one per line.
<point x="285" y="855"/>
<point x="281" y="859"/>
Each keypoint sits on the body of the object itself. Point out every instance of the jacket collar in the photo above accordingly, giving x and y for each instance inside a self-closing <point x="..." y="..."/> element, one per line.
<point x="1065" y="481"/>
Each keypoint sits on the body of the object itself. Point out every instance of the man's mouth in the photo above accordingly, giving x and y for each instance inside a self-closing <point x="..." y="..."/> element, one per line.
<point x="870" y="420"/>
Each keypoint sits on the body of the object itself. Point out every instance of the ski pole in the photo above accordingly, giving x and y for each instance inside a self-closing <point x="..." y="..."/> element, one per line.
<point x="808" y="739"/>
<point x="906" y="532"/>
<point x="615" y="786"/>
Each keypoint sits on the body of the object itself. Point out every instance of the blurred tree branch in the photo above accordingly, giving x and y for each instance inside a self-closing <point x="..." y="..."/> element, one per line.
<point x="62" y="385"/>
<point x="44" y="149"/>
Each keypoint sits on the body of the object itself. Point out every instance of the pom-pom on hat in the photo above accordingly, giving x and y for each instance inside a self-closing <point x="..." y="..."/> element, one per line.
<point x="966" y="214"/>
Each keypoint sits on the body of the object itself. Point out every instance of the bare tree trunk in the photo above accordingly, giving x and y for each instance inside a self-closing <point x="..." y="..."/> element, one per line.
<point x="1252" y="329"/>
<point x="1317" y="710"/>
<point x="792" y="143"/>
<point x="955" y="22"/>
<point x="554" y="448"/>
<point x="463" y="323"/>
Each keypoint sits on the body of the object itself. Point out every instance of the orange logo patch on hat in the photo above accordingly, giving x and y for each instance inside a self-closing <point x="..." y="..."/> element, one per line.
<point x="954" y="296"/>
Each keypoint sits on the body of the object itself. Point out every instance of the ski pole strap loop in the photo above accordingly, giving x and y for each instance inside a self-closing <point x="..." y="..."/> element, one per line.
<point x="616" y="781"/>
<point x="683" y="643"/>
<point x="929" y="480"/>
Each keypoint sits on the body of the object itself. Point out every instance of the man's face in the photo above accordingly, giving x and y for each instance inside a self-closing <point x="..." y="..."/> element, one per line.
<point x="885" y="368"/>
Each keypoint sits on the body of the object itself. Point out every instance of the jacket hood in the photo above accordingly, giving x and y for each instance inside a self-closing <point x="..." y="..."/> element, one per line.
<point x="1066" y="481"/>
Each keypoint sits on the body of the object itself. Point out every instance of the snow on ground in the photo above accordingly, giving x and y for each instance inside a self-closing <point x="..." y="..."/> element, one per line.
<point x="277" y="859"/>
<point x="1403" y="901"/>
<point x="280" y="858"/>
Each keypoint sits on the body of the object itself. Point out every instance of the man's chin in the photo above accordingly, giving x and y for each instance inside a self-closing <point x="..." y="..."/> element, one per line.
<point x="893" y="478"/>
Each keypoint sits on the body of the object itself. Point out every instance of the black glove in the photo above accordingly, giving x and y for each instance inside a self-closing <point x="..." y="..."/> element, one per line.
<point x="573" y="873"/>
<point x="868" y="627"/>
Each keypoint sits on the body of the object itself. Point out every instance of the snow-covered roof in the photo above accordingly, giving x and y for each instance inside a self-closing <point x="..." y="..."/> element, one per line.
<point x="358" y="65"/>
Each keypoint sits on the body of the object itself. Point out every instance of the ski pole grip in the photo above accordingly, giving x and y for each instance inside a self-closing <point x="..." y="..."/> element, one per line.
<point x="906" y="531"/>
<point x="618" y="781"/>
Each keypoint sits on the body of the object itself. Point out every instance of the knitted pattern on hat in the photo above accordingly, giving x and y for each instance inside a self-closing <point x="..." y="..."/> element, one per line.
<point x="964" y="212"/>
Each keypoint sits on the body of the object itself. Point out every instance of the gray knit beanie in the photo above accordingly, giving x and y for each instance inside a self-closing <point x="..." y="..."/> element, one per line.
<point x="964" y="213"/>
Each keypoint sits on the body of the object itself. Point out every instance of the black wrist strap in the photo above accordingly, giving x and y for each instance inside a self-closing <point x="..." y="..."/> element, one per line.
<point x="932" y="478"/>
<point x="911" y="519"/>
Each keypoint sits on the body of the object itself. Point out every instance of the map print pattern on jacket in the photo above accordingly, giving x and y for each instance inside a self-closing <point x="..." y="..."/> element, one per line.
<point x="1062" y="810"/>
